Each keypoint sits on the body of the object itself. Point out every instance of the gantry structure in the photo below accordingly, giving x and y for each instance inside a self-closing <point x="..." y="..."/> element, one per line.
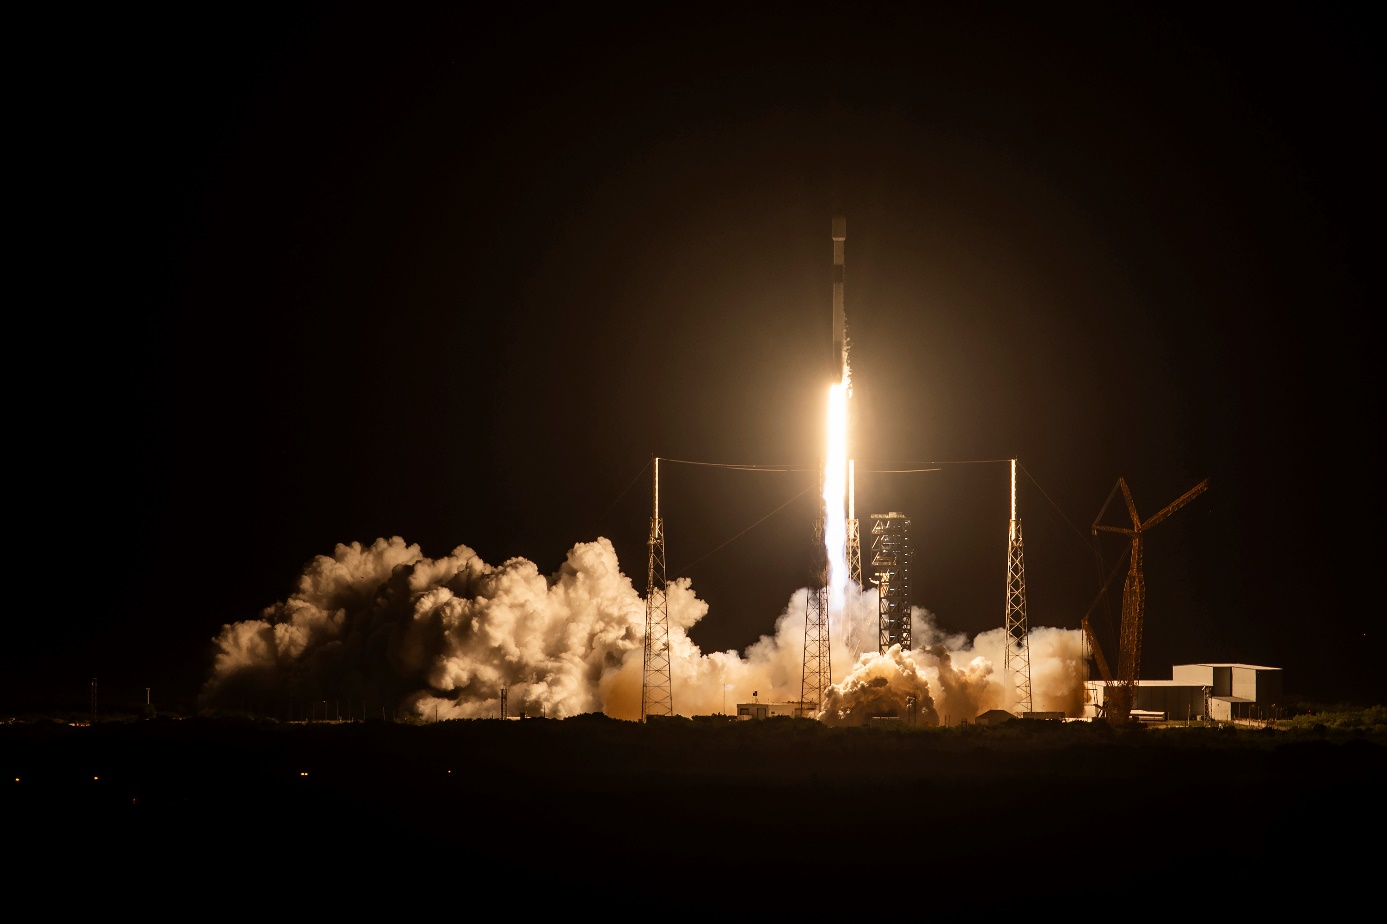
<point x="891" y="575"/>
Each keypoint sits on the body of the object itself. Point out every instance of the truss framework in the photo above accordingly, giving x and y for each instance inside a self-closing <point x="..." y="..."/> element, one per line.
<point x="657" y="696"/>
<point x="891" y="567"/>
<point x="1017" y="659"/>
<point x="817" y="674"/>
<point x="1120" y="690"/>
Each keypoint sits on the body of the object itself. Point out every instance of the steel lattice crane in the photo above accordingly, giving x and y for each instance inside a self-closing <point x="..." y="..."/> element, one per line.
<point x="1120" y="688"/>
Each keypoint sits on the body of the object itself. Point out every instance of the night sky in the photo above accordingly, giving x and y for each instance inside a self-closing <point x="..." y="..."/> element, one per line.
<point x="313" y="276"/>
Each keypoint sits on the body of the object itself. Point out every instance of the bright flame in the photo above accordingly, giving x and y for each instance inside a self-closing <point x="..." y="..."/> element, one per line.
<point x="835" y="497"/>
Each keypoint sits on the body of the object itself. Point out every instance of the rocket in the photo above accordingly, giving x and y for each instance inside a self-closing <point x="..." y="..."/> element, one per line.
<point x="839" y="359"/>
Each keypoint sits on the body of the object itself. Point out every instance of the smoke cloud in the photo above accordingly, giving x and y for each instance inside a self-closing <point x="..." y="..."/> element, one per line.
<point x="382" y="630"/>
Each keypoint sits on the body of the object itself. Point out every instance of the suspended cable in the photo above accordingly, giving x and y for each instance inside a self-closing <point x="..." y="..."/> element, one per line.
<point x="799" y="467"/>
<point x="742" y="467"/>
<point x="1066" y="519"/>
<point x="688" y="567"/>
<point x="616" y="499"/>
<point x="928" y="466"/>
<point x="896" y="471"/>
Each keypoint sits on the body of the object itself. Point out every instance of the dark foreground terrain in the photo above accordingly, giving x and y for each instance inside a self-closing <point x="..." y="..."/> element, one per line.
<point x="597" y="813"/>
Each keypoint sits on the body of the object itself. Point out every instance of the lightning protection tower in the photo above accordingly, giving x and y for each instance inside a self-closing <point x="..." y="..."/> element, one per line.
<point x="891" y="566"/>
<point x="817" y="673"/>
<point x="657" y="698"/>
<point x="1017" y="659"/>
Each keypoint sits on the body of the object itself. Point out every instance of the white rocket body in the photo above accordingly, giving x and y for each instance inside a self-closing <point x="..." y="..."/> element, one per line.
<point x="840" y="325"/>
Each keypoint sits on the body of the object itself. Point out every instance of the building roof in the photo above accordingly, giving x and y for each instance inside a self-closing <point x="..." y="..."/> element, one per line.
<point x="1255" y="667"/>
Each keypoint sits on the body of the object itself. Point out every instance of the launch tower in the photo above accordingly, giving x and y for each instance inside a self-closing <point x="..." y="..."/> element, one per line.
<point x="891" y="566"/>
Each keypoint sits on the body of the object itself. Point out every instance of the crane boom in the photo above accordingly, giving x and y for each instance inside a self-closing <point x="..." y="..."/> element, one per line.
<point x="1176" y="504"/>
<point x="1121" y="687"/>
<point x="1103" y="670"/>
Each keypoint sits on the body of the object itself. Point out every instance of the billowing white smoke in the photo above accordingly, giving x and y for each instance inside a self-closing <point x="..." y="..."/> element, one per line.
<point x="381" y="629"/>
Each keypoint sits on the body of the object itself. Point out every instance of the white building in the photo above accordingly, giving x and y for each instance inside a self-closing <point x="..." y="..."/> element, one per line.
<point x="1221" y="691"/>
<point x="749" y="711"/>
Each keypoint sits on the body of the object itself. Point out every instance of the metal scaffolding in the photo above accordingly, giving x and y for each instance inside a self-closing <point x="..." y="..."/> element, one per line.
<point x="891" y="567"/>
<point x="657" y="698"/>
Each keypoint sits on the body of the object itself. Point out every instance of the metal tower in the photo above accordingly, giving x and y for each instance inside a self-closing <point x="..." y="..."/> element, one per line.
<point x="1017" y="660"/>
<point x="891" y="565"/>
<point x="817" y="674"/>
<point x="657" y="698"/>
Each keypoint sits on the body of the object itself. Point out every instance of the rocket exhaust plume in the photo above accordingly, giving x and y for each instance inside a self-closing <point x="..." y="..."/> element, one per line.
<point x="835" y="497"/>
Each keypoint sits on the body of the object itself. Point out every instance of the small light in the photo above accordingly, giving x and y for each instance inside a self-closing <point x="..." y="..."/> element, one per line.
<point x="303" y="773"/>
<point x="96" y="777"/>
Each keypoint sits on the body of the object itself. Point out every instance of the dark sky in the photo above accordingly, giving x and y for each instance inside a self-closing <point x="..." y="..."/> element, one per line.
<point x="303" y="277"/>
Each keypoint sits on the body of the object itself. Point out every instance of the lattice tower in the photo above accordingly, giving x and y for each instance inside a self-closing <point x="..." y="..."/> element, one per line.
<point x="817" y="673"/>
<point x="657" y="697"/>
<point x="1017" y="658"/>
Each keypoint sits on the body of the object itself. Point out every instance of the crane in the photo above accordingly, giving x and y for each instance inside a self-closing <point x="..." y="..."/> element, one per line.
<point x="1120" y="687"/>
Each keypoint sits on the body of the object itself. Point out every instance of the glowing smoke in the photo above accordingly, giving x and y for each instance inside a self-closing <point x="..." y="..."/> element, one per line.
<point x="383" y="630"/>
